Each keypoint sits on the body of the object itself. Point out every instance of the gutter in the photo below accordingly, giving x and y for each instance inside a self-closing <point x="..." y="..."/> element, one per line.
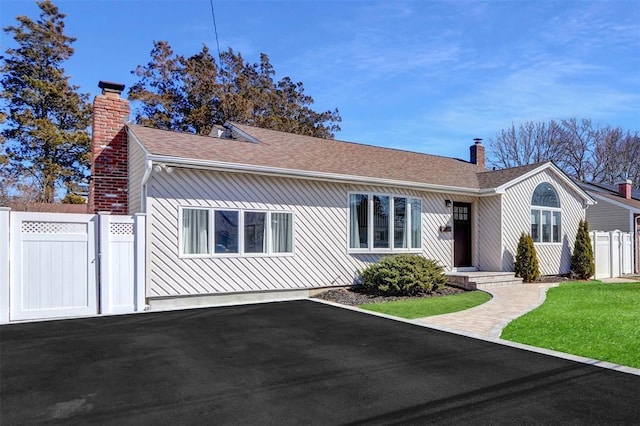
<point x="148" y="168"/>
<point x="301" y="174"/>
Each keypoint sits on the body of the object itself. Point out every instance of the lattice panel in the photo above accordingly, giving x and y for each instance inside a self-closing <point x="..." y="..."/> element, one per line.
<point x="116" y="228"/>
<point x="32" y="227"/>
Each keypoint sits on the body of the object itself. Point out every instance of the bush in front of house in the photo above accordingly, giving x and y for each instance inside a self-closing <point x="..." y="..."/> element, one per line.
<point x="402" y="275"/>
<point x="582" y="262"/>
<point x="526" y="265"/>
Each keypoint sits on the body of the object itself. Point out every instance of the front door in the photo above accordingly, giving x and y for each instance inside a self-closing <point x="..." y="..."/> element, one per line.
<point x="462" y="234"/>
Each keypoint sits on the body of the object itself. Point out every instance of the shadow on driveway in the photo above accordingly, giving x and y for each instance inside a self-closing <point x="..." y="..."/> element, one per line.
<point x="296" y="362"/>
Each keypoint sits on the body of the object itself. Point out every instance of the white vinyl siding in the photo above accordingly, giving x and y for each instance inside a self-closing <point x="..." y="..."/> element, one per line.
<point x="135" y="172"/>
<point x="318" y="241"/>
<point x="553" y="258"/>
<point x="489" y="219"/>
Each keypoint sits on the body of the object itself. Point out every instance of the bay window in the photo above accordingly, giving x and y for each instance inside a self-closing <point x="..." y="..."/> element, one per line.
<point x="384" y="223"/>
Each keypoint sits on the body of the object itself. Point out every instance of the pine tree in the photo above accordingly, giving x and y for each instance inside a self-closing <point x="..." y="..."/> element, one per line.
<point x="526" y="264"/>
<point x="582" y="260"/>
<point x="192" y="94"/>
<point x="47" y="143"/>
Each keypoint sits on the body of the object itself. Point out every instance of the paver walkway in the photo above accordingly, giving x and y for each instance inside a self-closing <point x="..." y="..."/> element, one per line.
<point x="487" y="320"/>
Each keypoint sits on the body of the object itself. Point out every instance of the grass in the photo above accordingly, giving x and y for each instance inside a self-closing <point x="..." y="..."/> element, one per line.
<point x="428" y="306"/>
<point x="594" y="320"/>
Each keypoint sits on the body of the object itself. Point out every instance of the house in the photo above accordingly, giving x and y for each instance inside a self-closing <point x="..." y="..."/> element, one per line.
<point x="617" y="209"/>
<point x="250" y="211"/>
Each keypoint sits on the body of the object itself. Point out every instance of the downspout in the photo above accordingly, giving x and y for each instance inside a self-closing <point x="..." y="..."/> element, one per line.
<point x="148" y="168"/>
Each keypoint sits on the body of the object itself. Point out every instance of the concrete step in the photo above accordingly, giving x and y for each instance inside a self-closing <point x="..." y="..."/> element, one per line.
<point x="474" y="280"/>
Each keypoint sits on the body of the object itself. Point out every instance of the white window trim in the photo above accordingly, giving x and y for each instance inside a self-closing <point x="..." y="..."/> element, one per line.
<point x="211" y="234"/>
<point x="370" y="228"/>
<point x="541" y="209"/>
<point x="180" y="234"/>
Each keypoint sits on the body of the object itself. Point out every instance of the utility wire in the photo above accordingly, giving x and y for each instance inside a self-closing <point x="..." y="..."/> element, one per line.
<point x="215" y="30"/>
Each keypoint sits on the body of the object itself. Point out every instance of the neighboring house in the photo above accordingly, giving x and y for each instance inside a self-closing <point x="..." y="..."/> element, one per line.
<point x="254" y="210"/>
<point x="617" y="209"/>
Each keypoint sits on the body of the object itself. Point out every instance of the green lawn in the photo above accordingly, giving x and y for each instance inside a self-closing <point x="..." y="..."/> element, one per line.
<point x="425" y="307"/>
<point x="594" y="320"/>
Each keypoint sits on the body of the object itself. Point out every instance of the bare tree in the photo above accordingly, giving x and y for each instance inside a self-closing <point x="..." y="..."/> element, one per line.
<point x="529" y="142"/>
<point x="583" y="150"/>
<point x="578" y="140"/>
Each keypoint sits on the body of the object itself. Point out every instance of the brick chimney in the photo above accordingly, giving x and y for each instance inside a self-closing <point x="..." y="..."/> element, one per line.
<point x="108" y="185"/>
<point x="624" y="189"/>
<point x="477" y="152"/>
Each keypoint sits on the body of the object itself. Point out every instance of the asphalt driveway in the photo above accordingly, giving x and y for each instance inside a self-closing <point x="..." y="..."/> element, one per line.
<point x="290" y="363"/>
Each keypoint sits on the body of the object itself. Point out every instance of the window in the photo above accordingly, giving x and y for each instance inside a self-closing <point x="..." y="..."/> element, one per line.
<point x="545" y="214"/>
<point x="235" y="232"/>
<point x="384" y="223"/>
<point x="226" y="231"/>
<point x="281" y="233"/>
<point x="195" y="231"/>
<point x="359" y="219"/>
<point x="254" y="232"/>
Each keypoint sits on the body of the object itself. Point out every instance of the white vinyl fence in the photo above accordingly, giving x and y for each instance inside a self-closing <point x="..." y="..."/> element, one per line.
<point x="613" y="253"/>
<point x="55" y="265"/>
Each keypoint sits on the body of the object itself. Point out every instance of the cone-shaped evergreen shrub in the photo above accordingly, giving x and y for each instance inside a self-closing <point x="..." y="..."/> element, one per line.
<point x="402" y="275"/>
<point x="526" y="265"/>
<point x="582" y="262"/>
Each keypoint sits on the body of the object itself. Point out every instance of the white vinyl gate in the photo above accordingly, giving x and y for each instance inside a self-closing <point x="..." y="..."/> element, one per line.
<point x="53" y="265"/>
<point x="613" y="253"/>
<point x="67" y="265"/>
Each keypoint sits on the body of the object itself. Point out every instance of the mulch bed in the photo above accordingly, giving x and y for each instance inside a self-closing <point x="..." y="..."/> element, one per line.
<point x="351" y="297"/>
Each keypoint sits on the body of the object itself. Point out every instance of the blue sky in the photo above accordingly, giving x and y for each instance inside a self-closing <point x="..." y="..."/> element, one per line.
<point x="427" y="76"/>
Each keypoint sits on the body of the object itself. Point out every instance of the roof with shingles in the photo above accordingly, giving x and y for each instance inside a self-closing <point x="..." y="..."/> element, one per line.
<point x="610" y="192"/>
<point x="287" y="151"/>
<point x="497" y="178"/>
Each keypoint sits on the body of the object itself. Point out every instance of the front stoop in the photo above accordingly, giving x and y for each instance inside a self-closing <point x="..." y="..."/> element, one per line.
<point x="482" y="279"/>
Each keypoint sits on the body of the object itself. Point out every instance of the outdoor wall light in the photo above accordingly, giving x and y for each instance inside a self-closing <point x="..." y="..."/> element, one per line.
<point x="447" y="203"/>
<point x="445" y="228"/>
<point x="162" y="168"/>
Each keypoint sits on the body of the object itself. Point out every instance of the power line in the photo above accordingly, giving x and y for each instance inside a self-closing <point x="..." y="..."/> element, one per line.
<point x="215" y="30"/>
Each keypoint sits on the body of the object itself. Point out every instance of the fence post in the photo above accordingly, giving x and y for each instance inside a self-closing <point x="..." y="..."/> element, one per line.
<point x="104" y="278"/>
<point x="4" y="264"/>
<point x="140" y="264"/>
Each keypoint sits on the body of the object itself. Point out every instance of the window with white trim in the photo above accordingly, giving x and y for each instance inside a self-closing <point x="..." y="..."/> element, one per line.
<point x="384" y="223"/>
<point x="235" y="232"/>
<point x="545" y="214"/>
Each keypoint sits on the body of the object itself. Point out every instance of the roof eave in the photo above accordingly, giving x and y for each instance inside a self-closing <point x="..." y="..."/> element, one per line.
<point x="617" y="203"/>
<point x="304" y="174"/>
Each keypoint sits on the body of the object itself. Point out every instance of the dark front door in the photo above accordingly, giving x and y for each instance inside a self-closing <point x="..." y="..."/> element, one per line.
<point x="462" y="234"/>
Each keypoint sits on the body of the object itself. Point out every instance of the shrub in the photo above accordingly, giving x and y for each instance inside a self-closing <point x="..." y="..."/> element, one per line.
<point x="582" y="261"/>
<point x="526" y="265"/>
<point x="403" y="275"/>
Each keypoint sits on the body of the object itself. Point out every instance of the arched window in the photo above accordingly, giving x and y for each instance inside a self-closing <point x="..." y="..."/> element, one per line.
<point x="545" y="214"/>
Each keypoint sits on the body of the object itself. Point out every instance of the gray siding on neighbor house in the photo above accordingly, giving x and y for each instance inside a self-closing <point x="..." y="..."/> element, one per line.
<point x="490" y="233"/>
<point x="320" y="232"/>
<point x="136" y="169"/>
<point x="554" y="258"/>
<point x="605" y="216"/>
